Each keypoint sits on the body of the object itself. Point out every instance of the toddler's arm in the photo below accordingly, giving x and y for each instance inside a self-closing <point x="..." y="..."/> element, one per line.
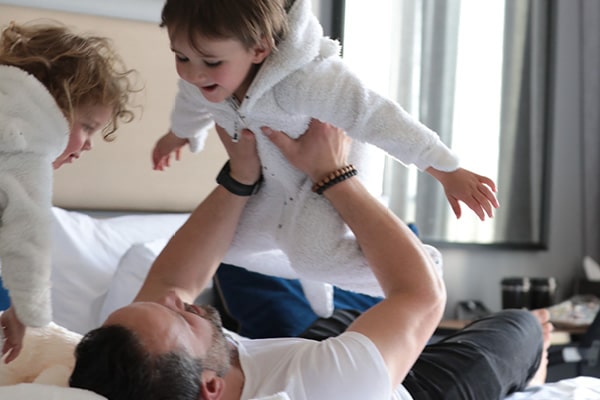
<point x="25" y="253"/>
<point x="334" y="94"/>
<point x="189" y="125"/>
<point x="167" y="145"/>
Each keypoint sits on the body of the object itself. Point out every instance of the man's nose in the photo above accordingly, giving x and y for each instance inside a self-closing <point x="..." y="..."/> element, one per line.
<point x="171" y="299"/>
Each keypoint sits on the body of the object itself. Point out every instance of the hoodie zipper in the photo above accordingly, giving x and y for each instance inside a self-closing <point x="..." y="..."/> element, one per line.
<point x="239" y="123"/>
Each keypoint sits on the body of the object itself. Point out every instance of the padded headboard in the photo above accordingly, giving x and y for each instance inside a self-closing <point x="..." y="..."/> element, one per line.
<point x="118" y="175"/>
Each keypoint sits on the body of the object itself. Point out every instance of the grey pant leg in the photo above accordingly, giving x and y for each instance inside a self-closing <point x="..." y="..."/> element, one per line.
<point x="489" y="359"/>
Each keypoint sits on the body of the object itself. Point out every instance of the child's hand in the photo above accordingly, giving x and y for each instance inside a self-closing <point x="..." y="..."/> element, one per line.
<point x="476" y="191"/>
<point x="13" y="331"/>
<point x="166" y="145"/>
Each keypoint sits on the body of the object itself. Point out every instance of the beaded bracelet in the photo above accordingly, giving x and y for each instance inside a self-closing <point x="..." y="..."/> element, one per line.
<point x="333" y="178"/>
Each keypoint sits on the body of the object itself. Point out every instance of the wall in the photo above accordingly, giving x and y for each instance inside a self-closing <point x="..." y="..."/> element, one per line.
<point x="118" y="175"/>
<point x="469" y="273"/>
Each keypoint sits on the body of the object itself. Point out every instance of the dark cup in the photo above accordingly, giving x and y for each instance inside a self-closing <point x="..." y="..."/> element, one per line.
<point x="516" y="292"/>
<point x="543" y="292"/>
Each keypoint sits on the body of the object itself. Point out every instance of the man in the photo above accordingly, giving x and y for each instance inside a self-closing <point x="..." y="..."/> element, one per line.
<point x="163" y="347"/>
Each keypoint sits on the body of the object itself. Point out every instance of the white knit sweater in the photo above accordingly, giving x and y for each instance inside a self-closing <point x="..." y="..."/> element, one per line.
<point x="33" y="132"/>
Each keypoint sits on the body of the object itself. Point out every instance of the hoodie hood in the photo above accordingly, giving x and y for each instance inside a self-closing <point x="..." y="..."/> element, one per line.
<point x="30" y="119"/>
<point x="303" y="44"/>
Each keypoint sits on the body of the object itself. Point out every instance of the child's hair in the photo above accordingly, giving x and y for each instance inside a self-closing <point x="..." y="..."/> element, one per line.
<point x="77" y="70"/>
<point x="248" y="21"/>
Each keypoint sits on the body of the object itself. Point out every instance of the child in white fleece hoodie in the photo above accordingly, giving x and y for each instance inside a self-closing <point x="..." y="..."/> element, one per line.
<point x="265" y="63"/>
<point x="57" y="89"/>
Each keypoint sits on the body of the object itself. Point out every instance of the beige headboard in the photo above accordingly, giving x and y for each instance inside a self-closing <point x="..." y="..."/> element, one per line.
<point x="118" y="175"/>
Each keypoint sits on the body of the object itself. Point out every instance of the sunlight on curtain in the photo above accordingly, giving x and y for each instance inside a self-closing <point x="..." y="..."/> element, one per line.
<point x="384" y="44"/>
<point x="477" y="102"/>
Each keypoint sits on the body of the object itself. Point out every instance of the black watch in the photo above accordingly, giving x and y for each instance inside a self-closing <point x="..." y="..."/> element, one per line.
<point x="224" y="179"/>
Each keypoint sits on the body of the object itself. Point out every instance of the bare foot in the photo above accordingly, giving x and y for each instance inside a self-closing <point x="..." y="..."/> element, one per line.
<point x="543" y="316"/>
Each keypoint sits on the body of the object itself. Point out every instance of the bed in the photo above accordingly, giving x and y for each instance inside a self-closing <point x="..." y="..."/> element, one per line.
<point x="99" y="263"/>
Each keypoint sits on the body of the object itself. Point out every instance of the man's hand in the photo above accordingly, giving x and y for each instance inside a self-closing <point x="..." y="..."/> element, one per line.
<point x="13" y="331"/>
<point x="243" y="157"/>
<point x="321" y="150"/>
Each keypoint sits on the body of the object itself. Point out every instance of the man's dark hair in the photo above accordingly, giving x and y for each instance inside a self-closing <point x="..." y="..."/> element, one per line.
<point x="112" y="362"/>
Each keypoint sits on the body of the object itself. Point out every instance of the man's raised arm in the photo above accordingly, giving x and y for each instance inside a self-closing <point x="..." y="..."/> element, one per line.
<point x="193" y="254"/>
<point x="403" y="322"/>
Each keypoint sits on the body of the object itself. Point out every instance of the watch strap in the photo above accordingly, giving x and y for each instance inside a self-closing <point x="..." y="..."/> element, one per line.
<point x="240" y="189"/>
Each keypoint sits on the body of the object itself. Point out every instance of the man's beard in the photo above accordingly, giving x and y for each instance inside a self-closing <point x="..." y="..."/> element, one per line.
<point x="218" y="357"/>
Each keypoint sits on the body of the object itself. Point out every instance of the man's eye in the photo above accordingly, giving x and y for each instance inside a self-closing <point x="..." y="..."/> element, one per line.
<point x="181" y="58"/>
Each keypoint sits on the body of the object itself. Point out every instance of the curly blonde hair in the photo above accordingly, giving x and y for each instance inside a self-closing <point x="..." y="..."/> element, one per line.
<point x="77" y="70"/>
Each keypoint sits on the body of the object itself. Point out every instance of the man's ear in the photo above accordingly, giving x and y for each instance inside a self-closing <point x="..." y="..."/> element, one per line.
<point x="212" y="386"/>
<point x="261" y="51"/>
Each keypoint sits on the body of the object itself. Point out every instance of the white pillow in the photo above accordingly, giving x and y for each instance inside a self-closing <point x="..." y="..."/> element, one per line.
<point x="130" y="275"/>
<point x="85" y="255"/>
<point x="28" y="391"/>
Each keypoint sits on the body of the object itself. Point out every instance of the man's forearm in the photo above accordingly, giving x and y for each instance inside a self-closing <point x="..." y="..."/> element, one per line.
<point x="193" y="254"/>
<point x="388" y="244"/>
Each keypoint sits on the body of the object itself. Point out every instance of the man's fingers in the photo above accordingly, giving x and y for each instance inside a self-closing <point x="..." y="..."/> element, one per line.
<point x="282" y="141"/>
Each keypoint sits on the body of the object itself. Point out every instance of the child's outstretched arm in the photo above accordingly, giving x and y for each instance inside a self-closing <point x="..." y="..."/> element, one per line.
<point x="190" y="123"/>
<point x="476" y="191"/>
<point x="169" y="144"/>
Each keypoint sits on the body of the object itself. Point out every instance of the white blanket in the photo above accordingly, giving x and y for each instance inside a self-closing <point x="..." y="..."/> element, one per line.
<point x="580" y="388"/>
<point x="28" y="391"/>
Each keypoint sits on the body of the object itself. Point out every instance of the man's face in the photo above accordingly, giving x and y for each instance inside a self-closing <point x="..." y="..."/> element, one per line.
<point x="170" y="325"/>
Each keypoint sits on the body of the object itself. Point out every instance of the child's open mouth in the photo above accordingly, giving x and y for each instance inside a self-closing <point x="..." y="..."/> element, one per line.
<point x="209" y="88"/>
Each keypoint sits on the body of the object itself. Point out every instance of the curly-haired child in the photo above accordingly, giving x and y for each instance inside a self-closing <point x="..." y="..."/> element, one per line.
<point x="57" y="88"/>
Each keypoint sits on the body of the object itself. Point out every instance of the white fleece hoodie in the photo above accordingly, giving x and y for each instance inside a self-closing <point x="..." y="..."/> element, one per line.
<point x="33" y="133"/>
<point x="287" y="230"/>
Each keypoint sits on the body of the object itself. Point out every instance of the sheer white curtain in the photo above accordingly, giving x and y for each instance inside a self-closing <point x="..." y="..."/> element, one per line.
<point x="423" y="82"/>
<point x="478" y="73"/>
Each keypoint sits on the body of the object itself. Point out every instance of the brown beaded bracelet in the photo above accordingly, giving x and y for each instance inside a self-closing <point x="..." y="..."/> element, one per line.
<point x="333" y="178"/>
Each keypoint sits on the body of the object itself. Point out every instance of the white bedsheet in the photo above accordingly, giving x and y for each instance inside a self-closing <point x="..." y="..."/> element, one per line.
<point x="580" y="388"/>
<point x="29" y="391"/>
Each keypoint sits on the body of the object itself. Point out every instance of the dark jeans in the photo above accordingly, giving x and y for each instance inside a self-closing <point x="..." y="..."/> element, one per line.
<point x="489" y="359"/>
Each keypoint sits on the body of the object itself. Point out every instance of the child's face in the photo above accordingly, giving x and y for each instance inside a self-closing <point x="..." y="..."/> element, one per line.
<point x="87" y="121"/>
<point x="219" y="68"/>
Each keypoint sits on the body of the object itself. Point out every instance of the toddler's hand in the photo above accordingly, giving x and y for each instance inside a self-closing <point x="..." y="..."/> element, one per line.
<point x="165" y="146"/>
<point x="13" y="331"/>
<point x="476" y="191"/>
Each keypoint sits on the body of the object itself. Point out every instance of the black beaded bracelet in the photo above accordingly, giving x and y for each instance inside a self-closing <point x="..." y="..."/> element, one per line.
<point x="335" y="177"/>
<point x="241" y="189"/>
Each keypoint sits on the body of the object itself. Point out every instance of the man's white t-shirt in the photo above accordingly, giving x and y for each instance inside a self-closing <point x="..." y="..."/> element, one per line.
<point x="346" y="367"/>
